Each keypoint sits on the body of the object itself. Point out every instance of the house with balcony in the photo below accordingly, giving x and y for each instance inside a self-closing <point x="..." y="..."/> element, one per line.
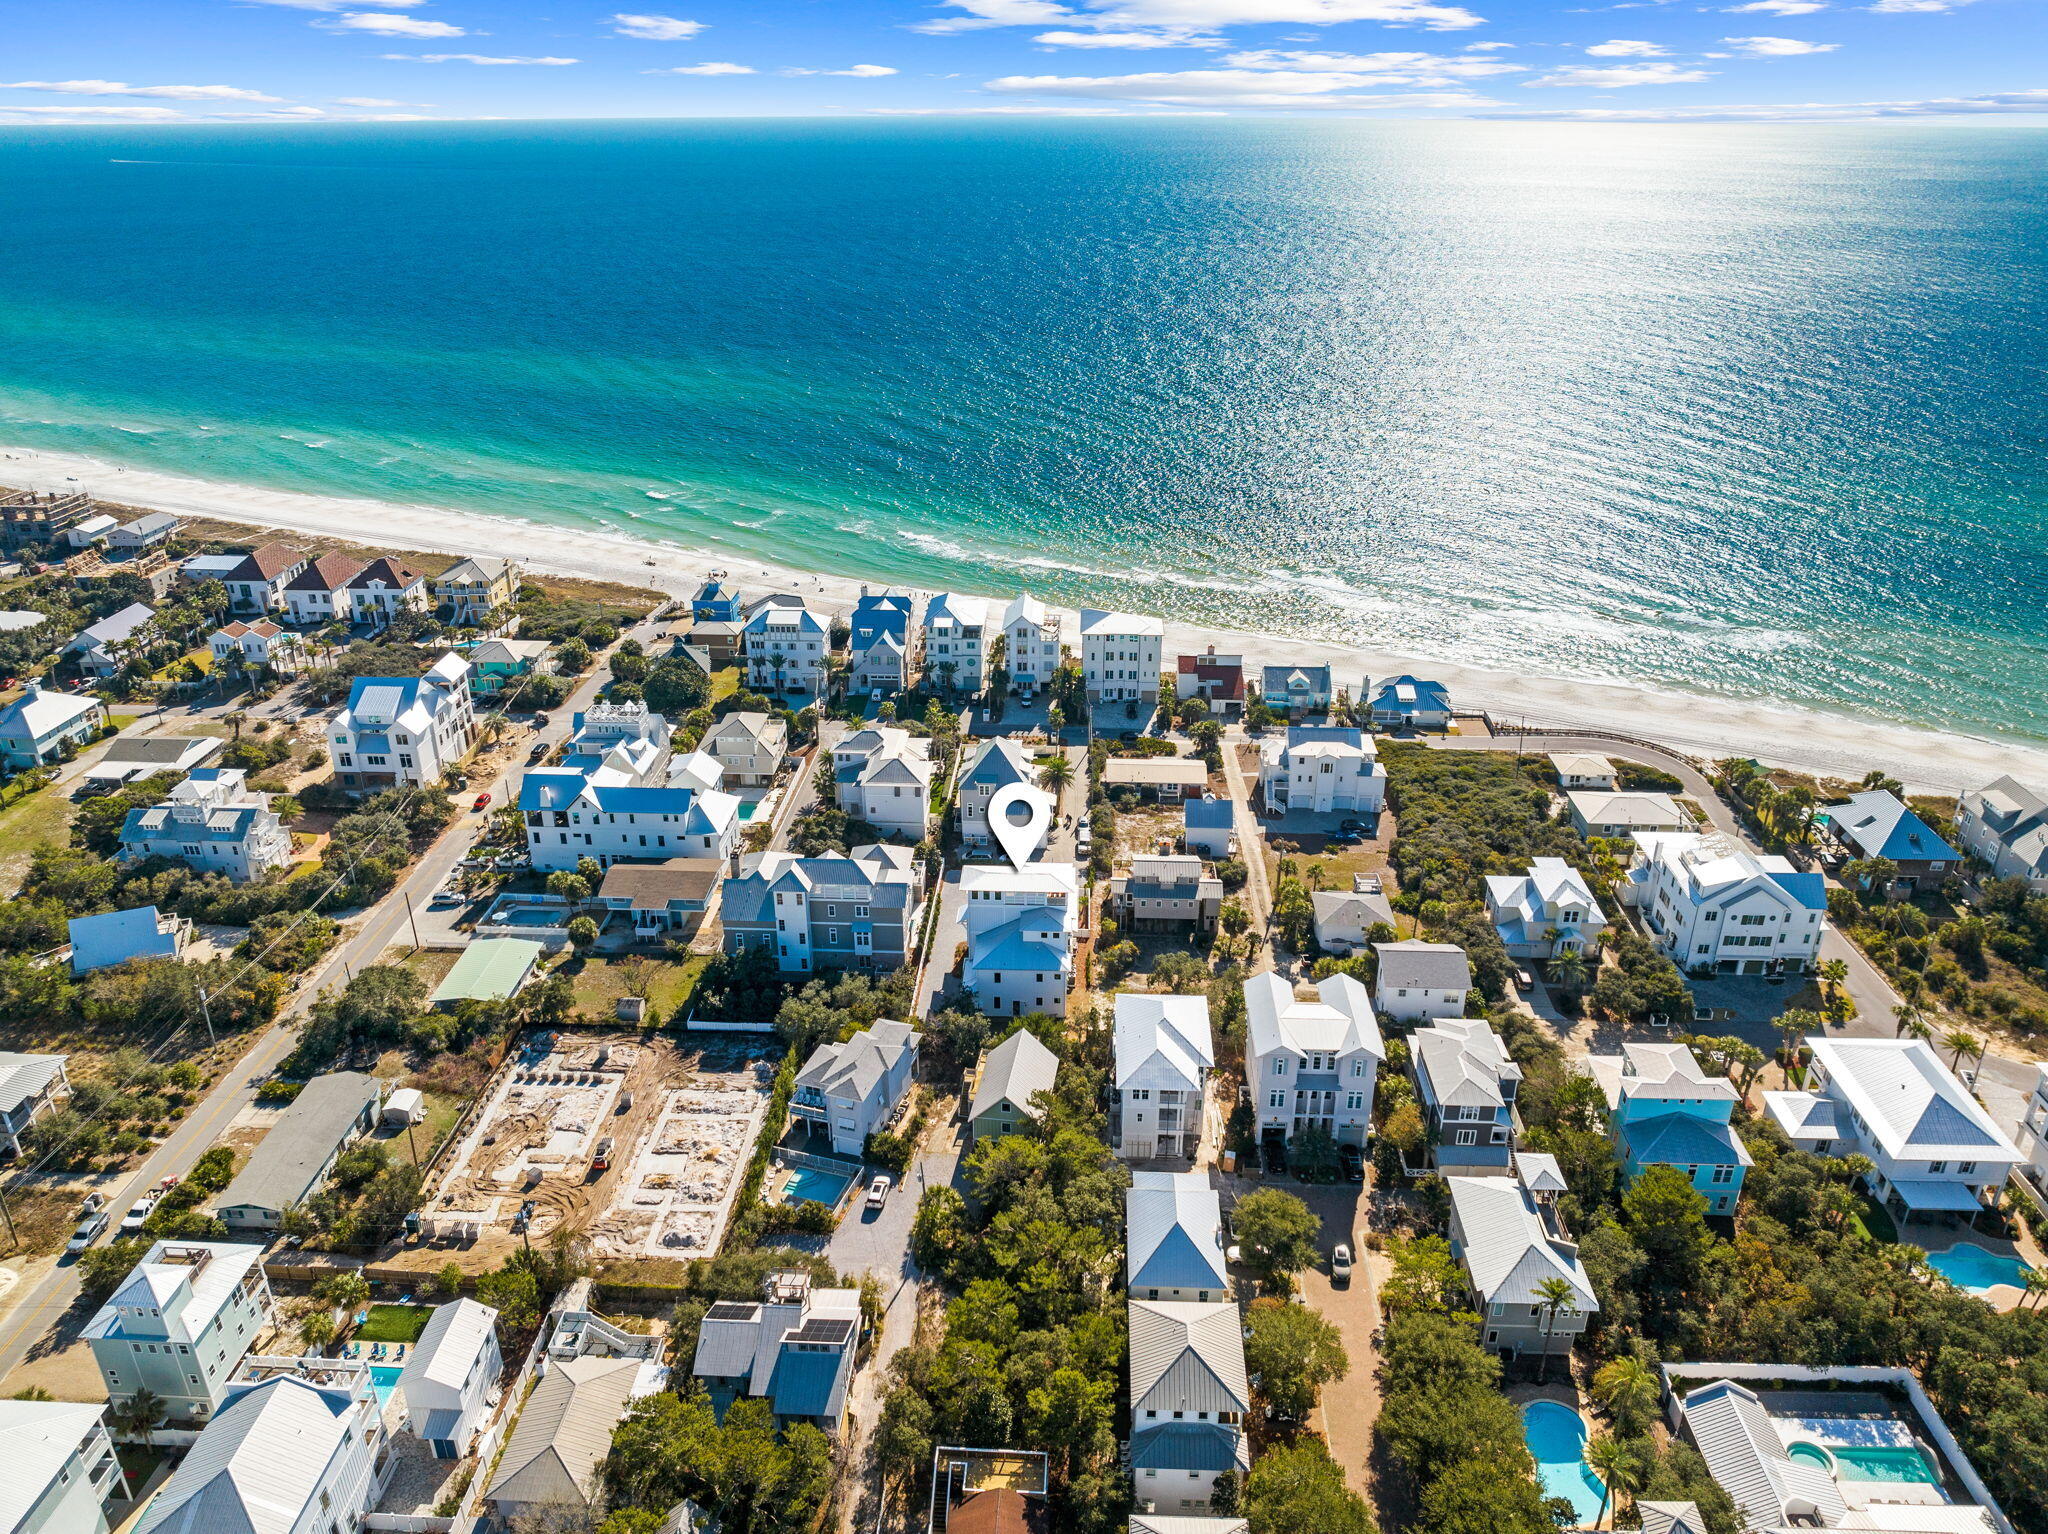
<point x="1021" y="924"/>
<point x="500" y="665"/>
<point x="1165" y="1054"/>
<point x="1218" y="680"/>
<point x="883" y="775"/>
<point x="257" y="646"/>
<point x="859" y="912"/>
<point x="1664" y="1109"/>
<point x="2033" y="1135"/>
<point x="41" y="516"/>
<point x="1418" y="982"/>
<point x="794" y="1348"/>
<point x="30" y="1086"/>
<point x="212" y="822"/>
<point x="1410" y="703"/>
<point x="1311" y="1064"/>
<point x="1209" y="827"/>
<point x="1620" y="815"/>
<point x="1511" y="1241"/>
<point x="1546" y="913"/>
<point x="717" y="601"/>
<point x="1322" y="769"/>
<point x="956" y="642"/>
<point x="1002" y="1092"/>
<point x="749" y="746"/>
<point x="1031" y="645"/>
<point x="846" y="1092"/>
<point x="317" y="594"/>
<point x="180" y="1324"/>
<point x="1120" y="657"/>
<point x="787" y="648"/>
<point x="101" y="649"/>
<point x="551" y="1470"/>
<point x="571" y="815"/>
<point x="1715" y="907"/>
<point x="257" y="583"/>
<point x="878" y="643"/>
<point x="1174" y="1246"/>
<point x="115" y="937"/>
<point x="61" y="1468"/>
<point x="1163" y="893"/>
<point x="1934" y="1151"/>
<point x="383" y="589"/>
<point x="43" y="725"/>
<point x="2005" y="824"/>
<point x="660" y="901"/>
<point x="471" y="589"/>
<point x="1296" y="691"/>
<point x="1189" y="1396"/>
<point x="403" y="732"/>
<point x="1466" y="1084"/>
<point x="1878" y="825"/>
<point x="450" y="1379"/>
<point x="997" y="763"/>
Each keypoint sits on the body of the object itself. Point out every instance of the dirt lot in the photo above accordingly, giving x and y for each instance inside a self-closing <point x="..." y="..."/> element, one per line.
<point x="681" y="1118"/>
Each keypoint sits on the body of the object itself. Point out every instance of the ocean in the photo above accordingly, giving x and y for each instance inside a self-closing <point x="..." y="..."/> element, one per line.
<point x="1749" y="411"/>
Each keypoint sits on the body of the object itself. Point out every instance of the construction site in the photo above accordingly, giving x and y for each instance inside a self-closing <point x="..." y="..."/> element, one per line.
<point x="633" y="1142"/>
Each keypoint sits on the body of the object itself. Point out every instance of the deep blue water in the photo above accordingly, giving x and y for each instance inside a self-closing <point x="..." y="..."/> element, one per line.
<point x="1754" y="411"/>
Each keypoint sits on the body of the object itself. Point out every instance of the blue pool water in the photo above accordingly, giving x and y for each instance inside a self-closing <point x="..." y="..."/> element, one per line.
<point x="384" y="1380"/>
<point x="1975" y="1271"/>
<point x="810" y="1183"/>
<point x="1882" y="1464"/>
<point x="1556" y="1436"/>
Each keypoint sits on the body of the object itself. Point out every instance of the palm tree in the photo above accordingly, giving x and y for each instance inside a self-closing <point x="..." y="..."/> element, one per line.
<point x="1569" y="970"/>
<point x="1618" y="1470"/>
<point x="1834" y="973"/>
<point x="1960" y="1041"/>
<point x="2036" y="1280"/>
<point x="1629" y="1389"/>
<point x="1794" y="1023"/>
<point x="1316" y="876"/>
<point x="140" y="1413"/>
<point x="1554" y="1294"/>
<point x="1055" y="773"/>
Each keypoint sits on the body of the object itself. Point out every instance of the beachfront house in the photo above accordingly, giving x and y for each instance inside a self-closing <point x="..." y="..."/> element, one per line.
<point x="255" y="646"/>
<point x="1174" y="1247"/>
<point x="179" y="1325"/>
<point x="1664" y="1109"/>
<point x="1121" y="657"/>
<point x="1878" y="825"/>
<point x="318" y="593"/>
<point x="997" y="763"/>
<point x="858" y="912"/>
<point x="1296" y="691"/>
<point x="383" y="589"/>
<point x="1418" y="982"/>
<point x="144" y="532"/>
<point x="289" y="1164"/>
<point x="450" y="1377"/>
<point x="45" y="725"/>
<point x="115" y="937"/>
<point x="1410" y="703"/>
<point x="878" y="644"/>
<point x="1715" y="907"/>
<point x="1163" y="893"/>
<point x="883" y="775"/>
<point x="717" y="602"/>
<point x="257" y="583"/>
<point x="1546" y="913"/>
<point x="1031" y="645"/>
<point x="61" y="1467"/>
<point x="103" y="648"/>
<point x="794" y="1348"/>
<point x="500" y="665"/>
<point x="786" y="647"/>
<point x="470" y="590"/>
<point x="1021" y="924"/>
<point x="1164" y="1053"/>
<point x="403" y="731"/>
<point x="1466" y="1085"/>
<point x="749" y="746"/>
<point x="2006" y="825"/>
<point x="1604" y="812"/>
<point x="1209" y="827"/>
<point x="1005" y="1082"/>
<point x="1345" y="920"/>
<point x="1311" y="1064"/>
<point x="94" y="529"/>
<point x="212" y="822"/>
<point x="551" y="1470"/>
<point x="39" y="516"/>
<point x="1189" y="1396"/>
<point x="1217" y="680"/>
<point x="1934" y="1151"/>
<point x="846" y="1092"/>
<point x="1580" y="770"/>
<point x="30" y="1086"/>
<point x="1322" y="769"/>
<point x="1512" y="1241"/>
<point x="955" y="633"/>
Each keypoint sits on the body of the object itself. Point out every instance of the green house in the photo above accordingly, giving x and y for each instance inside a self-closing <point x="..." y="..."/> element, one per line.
<point x="1009" y="1076"/>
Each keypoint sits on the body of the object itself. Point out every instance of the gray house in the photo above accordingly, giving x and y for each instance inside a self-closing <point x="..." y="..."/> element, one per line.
<point x="291" y="1162"/>
<point x="850" y="1090"/>
<point x="857" y="912"/>
<point x="1163" y="892"/>
<point x="1466" y="1084"/>
<point x="996" y="765"/>
<point x="1511" y="1242"/>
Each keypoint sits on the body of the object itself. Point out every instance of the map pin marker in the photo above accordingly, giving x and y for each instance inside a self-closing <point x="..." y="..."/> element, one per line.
<point x="1019" y="839"/>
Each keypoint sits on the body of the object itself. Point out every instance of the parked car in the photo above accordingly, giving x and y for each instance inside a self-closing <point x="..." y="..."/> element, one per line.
<point x="1352" y="827"/>
<point x="1524" y="980"/>
<point x="540" y="750"/>
<point x="482" y="802"/>
<point x="1352" y="1159"/>
<point x="878" y="1190"/>
<point x="445" y="897"/>
<point x="1340" y="1264"/>
<point x="88" y="1232"/>
<point x="131" y="1222"/>
<point x="94" y="1203"/>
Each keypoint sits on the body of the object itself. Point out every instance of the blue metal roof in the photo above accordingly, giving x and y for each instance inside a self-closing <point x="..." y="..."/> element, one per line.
<point x="1683" y="1140"/>
<point x="1809" y="889"/>
<point x="1882" y="826"/>
<point x="801" y="1385"/>
<point x="1208" y="814"/>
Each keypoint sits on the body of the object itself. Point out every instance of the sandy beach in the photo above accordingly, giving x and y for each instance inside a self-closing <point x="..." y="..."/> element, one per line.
<point x="1808" y="740"/>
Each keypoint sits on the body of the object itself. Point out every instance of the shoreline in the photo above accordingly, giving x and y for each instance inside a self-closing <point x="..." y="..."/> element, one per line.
<point x="1826" y="744"/>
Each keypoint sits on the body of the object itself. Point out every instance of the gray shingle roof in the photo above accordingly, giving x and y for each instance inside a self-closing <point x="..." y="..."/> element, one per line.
<point x="286" y="1163"/>
<point x="1425" y="966"/>
<point x="1017" y="1068"/>
<point x="565" y="1432"/>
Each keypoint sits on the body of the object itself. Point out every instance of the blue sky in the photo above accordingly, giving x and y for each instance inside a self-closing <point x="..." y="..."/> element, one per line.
<point x="144" y="61"/>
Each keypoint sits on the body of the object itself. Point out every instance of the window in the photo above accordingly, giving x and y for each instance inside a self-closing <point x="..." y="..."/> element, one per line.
<point x="1468" y="1137"/>
<point x="1936" y="1168"/>
<point x="1358" y="1066"/>
<point x="1723" y="1174"/>
<point x="1279" y="1065"/>
<point x="1277" y="1100"/>
<point x="1965" y="1168"/>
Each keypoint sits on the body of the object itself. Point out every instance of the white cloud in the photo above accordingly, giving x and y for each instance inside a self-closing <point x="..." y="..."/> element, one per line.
<point x="1483" y="47"/>
<point x="1619" y="75"/>
<point x="1627" y="48"/>
<point x="1384" y="68"/>
<point x="336" y="5"/>
<point x="2009" y="103"/>
<point x="655" y="29"/>
<point x="118" y="88"/>
<point x="1127" y="40"/>
<point x="1913" y="7"/>
<point x="470" y="58"/>
<point x="91" y="114"/>
<point x="1021" y="109"/>
<point x="1230" y="87"/>
<point x="703" y="69"/>
<point x="1777" y="47"/>
<point x="1777" y="8"/>
<point x="370" y="101"/>
<point x="857" y="72"/>
<point x="381" y="25"/>
<point x="1195" y="17"/>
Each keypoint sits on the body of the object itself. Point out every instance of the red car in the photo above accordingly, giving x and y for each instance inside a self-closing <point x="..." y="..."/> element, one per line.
<point x="482" y="803"/>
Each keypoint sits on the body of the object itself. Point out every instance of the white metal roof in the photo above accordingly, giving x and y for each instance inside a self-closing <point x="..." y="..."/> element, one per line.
<point x="1175" y="1028"/>
<point x="256" y="1465"/>
<point x="1174" y="1223"/>
<point x="1913" y="1104"/>
<point x="1506" y="1248"/>
<point x="1187" y="1357"/>
<point x="37" y="1440"/>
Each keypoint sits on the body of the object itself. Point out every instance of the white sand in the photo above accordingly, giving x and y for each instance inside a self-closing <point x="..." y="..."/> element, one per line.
<point x="1810" y="740"/>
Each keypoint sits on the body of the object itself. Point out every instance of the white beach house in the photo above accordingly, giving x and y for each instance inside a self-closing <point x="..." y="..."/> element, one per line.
<point x="883" y="775"/>
<point x="1545" y="913"/>
<point x="1311" y="1064"/>
<point x="403" y="731"/>
<point x="1031" y="645"/>
<point x="1020" y="924"/>
<point x="1165" y="1053"/>
<point x="1716" y="907"/>
<point x="955" y="642"/>
<point x="1121" y="654"/>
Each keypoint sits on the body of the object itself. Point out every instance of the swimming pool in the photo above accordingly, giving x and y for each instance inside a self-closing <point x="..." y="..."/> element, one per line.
<point x="1869" y="1465"/>
<point x="826" y="1188"/>
<point x="384" y="1380"/>
<point x="1974" y="1270"/>
<point x="1556" y="1436"/>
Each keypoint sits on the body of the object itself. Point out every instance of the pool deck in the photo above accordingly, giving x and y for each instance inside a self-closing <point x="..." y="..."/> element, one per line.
<point x="1939" y="1238"/>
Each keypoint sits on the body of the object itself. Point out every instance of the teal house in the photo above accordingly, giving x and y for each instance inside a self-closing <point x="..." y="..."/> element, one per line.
<point x="1665" y="1110"/>
<point x="496" y="664"/>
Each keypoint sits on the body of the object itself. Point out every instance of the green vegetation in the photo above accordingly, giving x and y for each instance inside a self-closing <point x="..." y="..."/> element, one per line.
<point x="394" y="1323"/>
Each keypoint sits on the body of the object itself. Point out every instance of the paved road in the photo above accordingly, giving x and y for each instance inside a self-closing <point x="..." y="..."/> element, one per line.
<point x="45" y="1302"/>
<point x="1258" y="896"/>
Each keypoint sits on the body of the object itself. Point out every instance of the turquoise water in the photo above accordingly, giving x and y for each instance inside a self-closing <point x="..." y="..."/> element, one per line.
<point x="1748" y="410"/>
<point x="1975" y="1270"/>
<point x="384" y="1380"/>
<point x="810" y="1183"/>
<point x="1556" y="1436"/>
<point x="1871" y="1465"/>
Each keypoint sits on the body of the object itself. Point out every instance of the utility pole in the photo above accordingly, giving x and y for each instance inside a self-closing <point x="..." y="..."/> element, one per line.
<point x="206" y="1012"/>
<point x="8" y="1215"/>
<point x="412" y="919"/>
